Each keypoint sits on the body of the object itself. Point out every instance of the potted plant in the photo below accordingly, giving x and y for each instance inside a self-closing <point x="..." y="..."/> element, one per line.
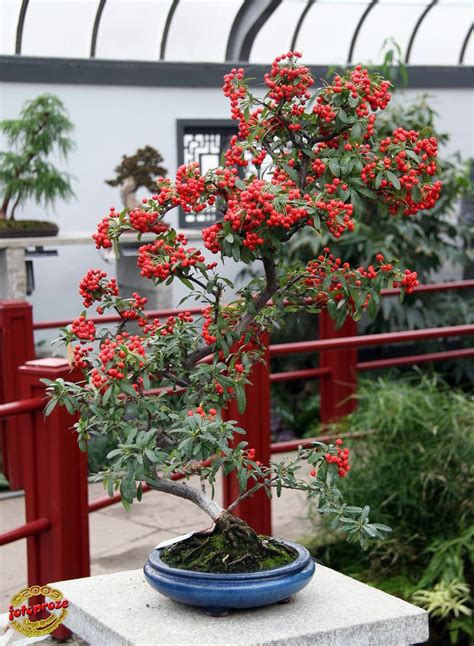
<point x="41" y="129"/>
<point x="137" y="171"/>
<point x="312" y="162"/>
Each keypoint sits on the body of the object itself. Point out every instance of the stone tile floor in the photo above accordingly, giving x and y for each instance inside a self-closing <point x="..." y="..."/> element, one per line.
<point x="120" y="540"/>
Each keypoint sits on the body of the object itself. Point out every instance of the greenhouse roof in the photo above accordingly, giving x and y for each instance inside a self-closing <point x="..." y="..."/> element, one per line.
<point x="328" y="32"/>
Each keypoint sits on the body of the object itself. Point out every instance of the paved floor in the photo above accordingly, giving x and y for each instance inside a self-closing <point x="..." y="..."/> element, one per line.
<point x="121" y="540"/>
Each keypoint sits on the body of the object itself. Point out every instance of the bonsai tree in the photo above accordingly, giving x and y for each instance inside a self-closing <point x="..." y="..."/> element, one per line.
<point x="136" y="171"/>
<point x="41" y="129"/>
<point x="313" y="161"/>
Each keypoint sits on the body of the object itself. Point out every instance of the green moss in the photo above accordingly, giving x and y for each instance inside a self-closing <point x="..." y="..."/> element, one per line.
<point x="218" y="553"/>
<point x="12" y="226"/>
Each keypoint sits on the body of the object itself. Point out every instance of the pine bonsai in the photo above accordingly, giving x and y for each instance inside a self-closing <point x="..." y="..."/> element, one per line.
<point x="137" y="171"/>
<point x="310" y="164"/>
<point x="41" y="129"/>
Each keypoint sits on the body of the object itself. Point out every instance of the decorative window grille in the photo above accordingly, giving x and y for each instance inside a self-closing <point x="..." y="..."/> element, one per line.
<point x="202" y="141"/>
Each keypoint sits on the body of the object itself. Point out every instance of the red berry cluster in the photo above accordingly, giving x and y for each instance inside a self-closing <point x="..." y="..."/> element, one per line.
<point x="341" y="459"/>
<point x="337" y="216"/>
<point x="253" y="210"/>
<point x="235" y="91"/>
<point x="135" y="309"/>
<point x="168" y="328"/>
<point x="94" y="286"/>
<point x="83" y="329"/>
<point x="81" y="356"/>
<point x="160" y="259"/>
<point x="210" y="415"/>
<point x="208" y="321"/>
<point x="101" y="238"/>
<point x="117" y="357"/>
<point x="344" y="275"/>
<point x="411" y="161"/>
<point x="234" y="155"/>
<point x="409" y="281"/>
<point x="288" y="80"/>
<point x="146" y="221"/>
<point x="191" y="189"/>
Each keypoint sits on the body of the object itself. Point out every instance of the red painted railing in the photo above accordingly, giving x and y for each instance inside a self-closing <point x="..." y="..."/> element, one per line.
<point x="53" y="472"/>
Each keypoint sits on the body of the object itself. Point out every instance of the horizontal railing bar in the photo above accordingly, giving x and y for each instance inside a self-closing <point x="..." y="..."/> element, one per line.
<point x="21" y="407"/>
<point x="434" y="287"/>
<point x="370" y="339"/>
<point x="28" y="529"/>
<point x="292" y="445"/>
<point x="102" y="320"/>
<point x="309" y="373"/>
<point x="114" y="318"/>
<point x="415" y="358"/>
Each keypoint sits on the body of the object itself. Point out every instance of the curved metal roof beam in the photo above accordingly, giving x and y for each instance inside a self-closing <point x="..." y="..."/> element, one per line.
<point x="20" y="25"/>
<point x="424" y="13"/>
<point x="166" y="29"/>
<point x="95" y="28"/>
<point x="465" y="44"/>
<point x="249" y="20"/>
<point x="368" y="9"/>
<point x="299" y="24"/>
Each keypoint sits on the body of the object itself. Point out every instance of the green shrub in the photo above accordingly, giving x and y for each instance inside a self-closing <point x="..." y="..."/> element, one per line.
<point x="417" y="470"/>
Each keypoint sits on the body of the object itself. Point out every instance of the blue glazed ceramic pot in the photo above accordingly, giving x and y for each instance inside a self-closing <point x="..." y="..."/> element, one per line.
<point x="219" y="593"/>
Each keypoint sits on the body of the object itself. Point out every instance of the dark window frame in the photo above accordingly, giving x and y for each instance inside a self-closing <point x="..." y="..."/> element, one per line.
<point x="204" y="126"/>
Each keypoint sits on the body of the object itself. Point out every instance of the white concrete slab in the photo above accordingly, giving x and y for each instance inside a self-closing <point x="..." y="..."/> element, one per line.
<point x="334" y="610"/>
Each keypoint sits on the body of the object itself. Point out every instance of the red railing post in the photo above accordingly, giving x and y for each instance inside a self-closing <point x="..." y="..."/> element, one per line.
<point x="340" y="384"/>
<point x="16" y="347"/>
<point x="255" y="510"/>
<point x="55" y="473"/>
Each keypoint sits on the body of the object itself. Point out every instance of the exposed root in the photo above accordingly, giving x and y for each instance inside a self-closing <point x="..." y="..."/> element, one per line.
<point x="232" y="546"/>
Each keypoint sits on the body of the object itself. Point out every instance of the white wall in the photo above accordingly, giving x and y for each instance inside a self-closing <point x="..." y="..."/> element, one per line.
<point x="111" y="121"/>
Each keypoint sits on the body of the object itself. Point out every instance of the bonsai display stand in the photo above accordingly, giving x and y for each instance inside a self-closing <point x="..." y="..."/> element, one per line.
<point x="333" y="610"/>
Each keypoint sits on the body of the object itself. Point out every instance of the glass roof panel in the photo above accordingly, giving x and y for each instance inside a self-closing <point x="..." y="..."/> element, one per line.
<point x="275" y="36"/>
<point x="61" y="29"/>
<point x="9" y="12"/>
<point x="324" y="38"/>
<point x="200" y="29"/>
<point x="401" y="18"/>
<point x="132" y="30"/>
<point x="441" y="34"/>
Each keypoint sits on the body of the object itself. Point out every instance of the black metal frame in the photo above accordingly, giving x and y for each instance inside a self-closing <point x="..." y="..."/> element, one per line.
<point x="92" y="71"/>
<point x="95" y="28"/>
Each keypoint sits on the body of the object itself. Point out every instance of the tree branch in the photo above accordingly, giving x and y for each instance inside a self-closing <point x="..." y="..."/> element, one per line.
<point x="271" y="287"/>
<point x="182" y="490"/>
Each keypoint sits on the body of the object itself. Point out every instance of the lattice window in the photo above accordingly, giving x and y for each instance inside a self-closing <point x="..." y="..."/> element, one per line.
<point x="203" y="141"/>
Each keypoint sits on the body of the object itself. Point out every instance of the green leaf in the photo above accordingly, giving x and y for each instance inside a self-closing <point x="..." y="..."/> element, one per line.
<point x="334" y="166"/>
<point x="393" y="179"/>
<point x="241" y="399"/>
<point x="356" y="131"/>
<point x="50" y="407"/>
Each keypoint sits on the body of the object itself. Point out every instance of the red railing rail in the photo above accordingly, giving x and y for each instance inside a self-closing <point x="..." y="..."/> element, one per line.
<point x="54" y="473"/>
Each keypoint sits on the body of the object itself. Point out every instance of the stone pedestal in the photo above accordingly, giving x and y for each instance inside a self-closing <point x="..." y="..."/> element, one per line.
<point x="12" y="274"/>
<point x="334" y="610"/>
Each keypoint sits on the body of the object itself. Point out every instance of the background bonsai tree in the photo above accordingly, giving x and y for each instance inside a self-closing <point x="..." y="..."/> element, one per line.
<point x="41" y="129"/>
<point x="313" y="161"/>
<point x="136" y="171"/>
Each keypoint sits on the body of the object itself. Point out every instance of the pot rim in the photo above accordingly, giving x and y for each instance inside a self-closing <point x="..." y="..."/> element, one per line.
<point x="154" y="560"/>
